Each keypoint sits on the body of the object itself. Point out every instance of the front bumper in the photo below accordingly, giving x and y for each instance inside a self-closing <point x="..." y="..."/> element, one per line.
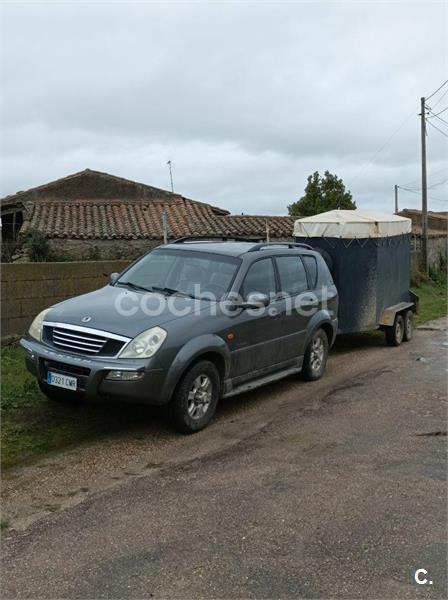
<point x="91" y="374"/>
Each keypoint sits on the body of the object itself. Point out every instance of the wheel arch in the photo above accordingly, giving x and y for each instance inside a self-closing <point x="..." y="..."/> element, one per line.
<point x="212" y="356"/>
<point x="321" y="320"/>
<point x="209" y="347"/>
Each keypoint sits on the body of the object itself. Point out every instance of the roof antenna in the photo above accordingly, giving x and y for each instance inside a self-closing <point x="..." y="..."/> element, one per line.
<point x="171" y="176"/>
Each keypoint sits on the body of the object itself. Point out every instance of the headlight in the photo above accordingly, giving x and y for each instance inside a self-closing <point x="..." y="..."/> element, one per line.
<point x="35" y="329"/>
<point x="145" y="344"/>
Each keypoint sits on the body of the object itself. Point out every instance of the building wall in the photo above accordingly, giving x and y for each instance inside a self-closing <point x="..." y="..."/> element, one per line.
<point x="437" y="253"/>
<point x="101" y="249"/>
<point x="109" y="249"/>
<point x="28" y="288"/>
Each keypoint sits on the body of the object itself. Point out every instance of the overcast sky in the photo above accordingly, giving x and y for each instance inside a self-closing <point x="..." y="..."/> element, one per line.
<point x="245" y="98"/>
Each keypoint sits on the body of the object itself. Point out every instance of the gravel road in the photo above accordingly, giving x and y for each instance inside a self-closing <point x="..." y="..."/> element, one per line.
<point x="298" y="490"/>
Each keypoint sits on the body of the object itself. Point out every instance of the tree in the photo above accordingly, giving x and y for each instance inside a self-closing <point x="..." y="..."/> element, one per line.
<point x="322" y="194"/>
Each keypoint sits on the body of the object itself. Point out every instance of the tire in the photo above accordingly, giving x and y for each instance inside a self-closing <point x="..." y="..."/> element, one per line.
<point x="192" y="408"/>
<point x="316" y="355"/>
<point x="408" y="332"/>
<point x="394" y="334"/>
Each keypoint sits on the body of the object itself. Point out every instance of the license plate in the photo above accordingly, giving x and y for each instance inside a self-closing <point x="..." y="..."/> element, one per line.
<point x="62" y="381"/>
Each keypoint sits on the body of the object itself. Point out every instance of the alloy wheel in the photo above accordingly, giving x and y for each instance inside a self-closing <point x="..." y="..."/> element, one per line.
<point x="317" y="353"/>
<point x="200" y="396"/>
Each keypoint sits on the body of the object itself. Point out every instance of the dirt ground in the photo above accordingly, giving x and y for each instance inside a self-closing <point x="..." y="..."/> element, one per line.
<point x="298" y="490"/>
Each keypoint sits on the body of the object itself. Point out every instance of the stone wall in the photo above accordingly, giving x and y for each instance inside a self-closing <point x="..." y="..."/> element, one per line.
<point x="28" y="288"/>
<point x="437" y="253"/>
<point x="101" y="249"/>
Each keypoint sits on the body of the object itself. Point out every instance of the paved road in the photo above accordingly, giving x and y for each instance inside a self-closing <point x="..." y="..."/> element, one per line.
<point x="331" y="489"/>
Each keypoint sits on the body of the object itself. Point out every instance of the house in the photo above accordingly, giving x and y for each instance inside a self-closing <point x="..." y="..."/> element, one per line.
<point x="100" y="216"/>
<point x="437" y="221"/>
<point x="437" y="235"/>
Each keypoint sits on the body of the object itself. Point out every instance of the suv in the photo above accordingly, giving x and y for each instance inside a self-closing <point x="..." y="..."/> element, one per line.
<point x="189" y="323"/>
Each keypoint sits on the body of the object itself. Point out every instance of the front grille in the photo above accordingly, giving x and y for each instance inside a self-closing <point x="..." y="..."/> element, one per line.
<point x="82" y="341"/>
<point x="68" y="339"/>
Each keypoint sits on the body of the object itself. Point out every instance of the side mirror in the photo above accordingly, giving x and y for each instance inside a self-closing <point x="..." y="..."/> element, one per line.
<point x="255" y="300"/>
<point x="113" y="277"/>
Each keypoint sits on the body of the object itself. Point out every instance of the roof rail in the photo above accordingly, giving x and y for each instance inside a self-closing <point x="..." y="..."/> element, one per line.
<point x="288" y="244"/>
<point x="215" y="238"/>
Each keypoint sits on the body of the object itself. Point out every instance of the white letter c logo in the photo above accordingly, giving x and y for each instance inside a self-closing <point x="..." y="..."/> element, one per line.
<point x="417" y="576"/>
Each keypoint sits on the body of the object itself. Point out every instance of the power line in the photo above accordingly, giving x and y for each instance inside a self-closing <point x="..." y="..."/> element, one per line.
<point x="418" y="194"/>
<point x="369" y="162"/>
<point x="439" y="183"/>
<point x="439" y="113"/>
<point x="437" y="90"/>
<point x="433" y="115"/>
<point x="435" y="127"/>
<point x="441" y="98"/>
<point x="411" y="183"/>
<point x="439" y="119"/>
<point x="415" y="189"/>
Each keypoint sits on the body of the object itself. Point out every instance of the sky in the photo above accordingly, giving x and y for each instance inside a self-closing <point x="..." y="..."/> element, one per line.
<point x="245" y="98"/>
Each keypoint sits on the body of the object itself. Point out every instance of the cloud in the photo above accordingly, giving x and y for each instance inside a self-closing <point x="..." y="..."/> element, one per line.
<point x="246" y="98"/>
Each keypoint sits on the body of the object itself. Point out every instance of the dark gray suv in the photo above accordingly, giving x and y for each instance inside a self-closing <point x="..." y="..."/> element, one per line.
<point x="189" y="323"/>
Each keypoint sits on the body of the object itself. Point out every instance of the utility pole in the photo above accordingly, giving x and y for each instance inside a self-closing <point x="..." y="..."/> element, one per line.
<point x="396" y="199"/>
<point x="424" y="189"/>
<point x="171" y="176"/>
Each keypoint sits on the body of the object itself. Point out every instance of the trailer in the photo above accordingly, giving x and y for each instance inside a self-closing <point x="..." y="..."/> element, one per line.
<point x="368" y="254"/>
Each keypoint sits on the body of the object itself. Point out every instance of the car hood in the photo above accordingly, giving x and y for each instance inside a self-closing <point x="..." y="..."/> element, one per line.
<point x="122" y="311"/>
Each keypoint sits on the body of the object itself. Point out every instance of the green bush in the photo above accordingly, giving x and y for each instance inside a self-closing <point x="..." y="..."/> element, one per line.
<point x="36" y="245"/>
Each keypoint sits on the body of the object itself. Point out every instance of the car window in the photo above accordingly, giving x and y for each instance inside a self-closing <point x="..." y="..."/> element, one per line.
<point x="191" y="272"/>
<point x="259" y="278"/>
<point x="292" y="274"/>
<point x="311" y="267"/>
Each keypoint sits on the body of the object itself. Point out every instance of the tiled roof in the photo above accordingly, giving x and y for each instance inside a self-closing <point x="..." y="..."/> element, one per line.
<point x="142" y="219"/>
<point x="437" y="221"/>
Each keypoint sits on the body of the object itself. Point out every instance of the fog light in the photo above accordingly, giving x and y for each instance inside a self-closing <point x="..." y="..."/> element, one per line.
<point x="124" y="375"/>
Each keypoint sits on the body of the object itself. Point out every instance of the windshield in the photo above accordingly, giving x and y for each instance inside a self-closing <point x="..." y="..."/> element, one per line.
<point x="191" y="273"/>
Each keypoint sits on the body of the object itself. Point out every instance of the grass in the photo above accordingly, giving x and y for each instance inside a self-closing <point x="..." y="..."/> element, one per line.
<point x="33" y="426"/>
<point x="433" y="298"/>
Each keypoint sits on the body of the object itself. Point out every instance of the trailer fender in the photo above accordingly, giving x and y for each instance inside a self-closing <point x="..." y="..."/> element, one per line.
<point x="388" y="315"/>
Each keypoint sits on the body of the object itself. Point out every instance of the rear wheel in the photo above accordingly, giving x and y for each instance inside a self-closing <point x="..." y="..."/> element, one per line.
<point x="196" y="397"/>
<point x="408" y="326"/>
<point x="315" y="358"/>
<point x="395" y="333"/>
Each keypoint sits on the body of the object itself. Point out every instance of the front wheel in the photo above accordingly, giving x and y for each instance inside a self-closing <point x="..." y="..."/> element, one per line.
<point x="196" y="397"/>
<point x="315" y="358"/>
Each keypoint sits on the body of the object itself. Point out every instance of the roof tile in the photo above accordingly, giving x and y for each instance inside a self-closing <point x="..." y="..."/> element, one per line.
<point x="142" y="219"/>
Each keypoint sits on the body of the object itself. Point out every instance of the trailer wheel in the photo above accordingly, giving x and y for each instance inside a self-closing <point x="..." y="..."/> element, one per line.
<point x="408" y="326"/>
<point x="394" y="333"/>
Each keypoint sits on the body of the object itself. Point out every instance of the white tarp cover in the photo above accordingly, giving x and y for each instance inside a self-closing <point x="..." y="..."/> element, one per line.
<point x="352" y="224"/>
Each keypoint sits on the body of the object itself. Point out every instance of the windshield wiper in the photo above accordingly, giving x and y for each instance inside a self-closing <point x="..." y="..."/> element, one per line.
<point x="171" y="291"/>
<point x="134" y="286"/>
